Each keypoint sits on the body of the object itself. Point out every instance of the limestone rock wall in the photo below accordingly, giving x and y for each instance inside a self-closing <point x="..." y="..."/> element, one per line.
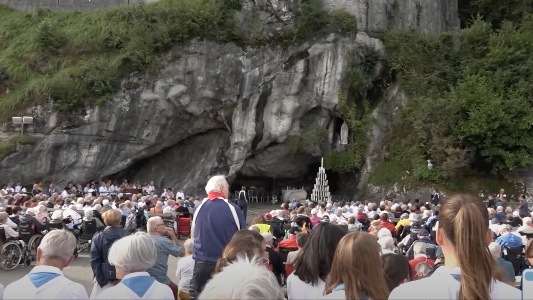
<point x="252" y="99"/>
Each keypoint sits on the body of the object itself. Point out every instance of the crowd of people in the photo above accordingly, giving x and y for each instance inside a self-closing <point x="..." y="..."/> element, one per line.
<point x="440" y="249"/>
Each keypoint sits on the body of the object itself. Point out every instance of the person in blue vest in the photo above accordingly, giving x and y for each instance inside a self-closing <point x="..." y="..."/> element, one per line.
<point x="215" y="221"/>
<point x="469" y="271"/>
<point x="46" y="280"/>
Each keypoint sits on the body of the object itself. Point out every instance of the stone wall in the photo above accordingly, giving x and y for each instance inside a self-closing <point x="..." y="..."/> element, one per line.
<point x="68" y="5"/>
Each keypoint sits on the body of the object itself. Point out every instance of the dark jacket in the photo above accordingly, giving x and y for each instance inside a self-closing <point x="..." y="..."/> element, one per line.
<point x="98" y="215"/>
<point x="276" y="262"/>
<point x="215" y="226"/>
<point x="101" y="244"/>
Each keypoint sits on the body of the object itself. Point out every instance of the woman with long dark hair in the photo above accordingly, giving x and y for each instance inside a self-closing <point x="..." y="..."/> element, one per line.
<point x="313" y="264"/>
<point x="469" y="272"/>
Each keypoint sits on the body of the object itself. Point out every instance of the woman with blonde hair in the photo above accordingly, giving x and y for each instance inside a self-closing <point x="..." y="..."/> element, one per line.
<point x="469" y="271"/>
<point x="368" y="282"/>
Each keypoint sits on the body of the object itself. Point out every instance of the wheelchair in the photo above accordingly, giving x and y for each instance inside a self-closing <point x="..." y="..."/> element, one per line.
<point x="88" y="230"/>
<point x="14" y="252"/>
<point x="29" y="234"/>
<point x="515" y="256"/>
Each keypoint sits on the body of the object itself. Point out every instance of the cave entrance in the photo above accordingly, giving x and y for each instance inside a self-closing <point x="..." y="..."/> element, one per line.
<point x="266" y="187"/>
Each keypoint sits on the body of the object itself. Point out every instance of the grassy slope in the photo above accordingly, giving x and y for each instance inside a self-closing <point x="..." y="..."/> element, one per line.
<point x="76" y="58"/>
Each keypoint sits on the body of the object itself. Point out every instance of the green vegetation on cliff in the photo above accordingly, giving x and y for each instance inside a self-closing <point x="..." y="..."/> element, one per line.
<point x="76" y="59"/>
<point x="470" y="108"/>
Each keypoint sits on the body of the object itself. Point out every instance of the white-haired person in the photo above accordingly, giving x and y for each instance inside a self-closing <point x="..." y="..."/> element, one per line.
<point x="387" y="245"/>
<point x="72" y="212"/>
<point x="105" y="205"/>
<point x="8" y="230"/>
<point x="10" y="222"/>
<point x="46" y="280"/>
<point x="505" y="266"/>
<point x="104" y="273"/>
<point x="215" y="221"/>
<point x="41" y="214"/>
<point x="244" y="278"/>
<point x="184" y="271"/>
<point x="132" y="256"/>
<point x="88" y="215"/>
<point x="159" y="232"/>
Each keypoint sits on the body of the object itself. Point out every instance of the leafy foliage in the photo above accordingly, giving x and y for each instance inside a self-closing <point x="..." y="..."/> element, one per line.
<point x="78" y="59"/>
<point x="355" y="109"/>
<point x="75" y="59"/>
<point x="470" y="106"/>
<point x="308" y="140"/>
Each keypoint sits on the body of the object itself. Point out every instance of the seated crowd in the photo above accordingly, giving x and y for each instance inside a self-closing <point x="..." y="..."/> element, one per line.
<point x="446" y="250"/>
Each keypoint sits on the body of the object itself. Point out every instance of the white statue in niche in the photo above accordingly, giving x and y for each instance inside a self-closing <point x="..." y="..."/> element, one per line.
<point x="344" y="134"/>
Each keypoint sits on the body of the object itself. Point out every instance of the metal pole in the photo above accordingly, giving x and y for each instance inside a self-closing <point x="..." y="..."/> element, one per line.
<point x="21" y="129"/>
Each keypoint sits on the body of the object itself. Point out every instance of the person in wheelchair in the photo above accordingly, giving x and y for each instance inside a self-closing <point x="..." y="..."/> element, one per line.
<point x="29" y="220"/>
<point x="507" y="238"/>
<point x="57" y="221"/>
<point x="9" y="232"/>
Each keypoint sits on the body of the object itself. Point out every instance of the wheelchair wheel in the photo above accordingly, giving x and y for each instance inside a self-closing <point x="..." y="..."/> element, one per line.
<point x="11" y="256"/>
<point x="34" y="242"/>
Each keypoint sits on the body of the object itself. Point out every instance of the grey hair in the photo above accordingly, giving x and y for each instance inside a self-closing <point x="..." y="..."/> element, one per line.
<point x="58" y="244"/>
<point x="423" y="267"/>
<point x="133" y="253"/>
<point x="216" y="184"/>
<point x="419" y="248"/>
<point x="188" y="245"/>
<point x="386" y="242"/>
<point x="3" y="217"/>
<point x="97" y="207"/>
<point x="527" y="221"/>
<point x="383" y="232"/>
<point x="41" y="208"/>
<point x="495" y="250"/>
<point x="254" y="228"/>
<point x="57" y="215"/>
<point x="88" y="214"/>
<point x="245" y="278"/>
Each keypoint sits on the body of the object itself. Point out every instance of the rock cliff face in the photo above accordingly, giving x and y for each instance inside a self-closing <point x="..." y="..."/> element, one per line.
<point x="221" y="109"/>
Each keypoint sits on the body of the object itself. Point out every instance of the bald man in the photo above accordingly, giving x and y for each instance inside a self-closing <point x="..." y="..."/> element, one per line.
<point x="159" y="233"/>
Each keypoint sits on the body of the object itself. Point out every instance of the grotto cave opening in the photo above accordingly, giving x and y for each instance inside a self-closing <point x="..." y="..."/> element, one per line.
<point x="266" y="187"/>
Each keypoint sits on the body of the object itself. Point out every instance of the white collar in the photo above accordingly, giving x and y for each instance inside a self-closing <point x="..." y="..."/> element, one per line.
<point x="136" y="274"/>
<point x="420" y="255"/>
<point x="46" y="269"/>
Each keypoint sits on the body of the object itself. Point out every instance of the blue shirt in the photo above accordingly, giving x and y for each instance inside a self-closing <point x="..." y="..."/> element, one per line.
<point x="164" y="248"/>
<point x="214" y="227"/>
<point x="509" y="240"/>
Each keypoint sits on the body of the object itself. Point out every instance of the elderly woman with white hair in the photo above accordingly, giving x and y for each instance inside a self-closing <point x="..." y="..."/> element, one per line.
<point x="245" y="278"/>
<point x="41" y="214"/>
<point x="132" y="256"/>
<point x="8" y="231"/>
<point x="387" y="244"/>
<point x="506" y="266"/>
<point x="88" y="215"/>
